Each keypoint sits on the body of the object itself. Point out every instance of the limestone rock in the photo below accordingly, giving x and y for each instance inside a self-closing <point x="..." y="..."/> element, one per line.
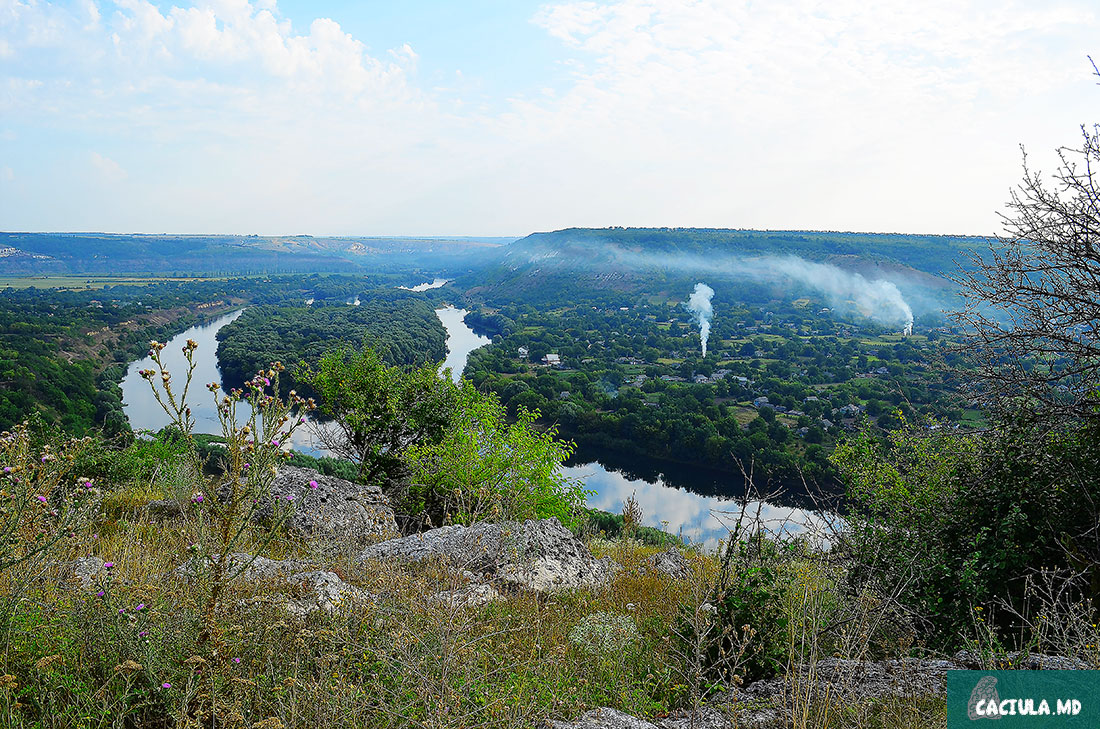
<point x="164" y="509"/>
<point x="336" y="511"/>
<point x="470" y="596"/>
<point x="257" y="569"/>
<point x="672" y="563"/>
<point x="83" y="571"/>
<point x="324" y="591"/>
<point x="603" y="719"/>
<point x="309" y="589"/>
<point x="536" y="555"/>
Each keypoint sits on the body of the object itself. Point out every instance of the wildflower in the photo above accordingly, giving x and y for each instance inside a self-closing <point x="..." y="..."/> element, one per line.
<point x="100" y="593"/>
<point x="141" y="606"/>
<point x="290" y="497"/>
<point x="275" y="443"/>
<point x="236" y="660"/>
<point x="166" y="685"/>
<point x="143" y="633"/>
<point x="108" y="565"/>
<point x="41" y="498"/>
<point x="313" y="484"/>
<point x="197" y="497"/>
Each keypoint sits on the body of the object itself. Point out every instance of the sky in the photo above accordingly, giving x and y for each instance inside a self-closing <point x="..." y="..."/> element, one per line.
<point x="503" y="117"/>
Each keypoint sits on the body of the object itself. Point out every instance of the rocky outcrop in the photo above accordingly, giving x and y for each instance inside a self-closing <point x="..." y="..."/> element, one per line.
<point x="306" y="590"/>
<point x="471" y="596"/>
<point x="84" y="571"/>
<point x="164" y="509"/>
<point x="534" y="555"/>
<point x="670" y="563"/>
<point x="252" y="569"/>
<point x="330" y="509"/>
<point x="324" y="591"/>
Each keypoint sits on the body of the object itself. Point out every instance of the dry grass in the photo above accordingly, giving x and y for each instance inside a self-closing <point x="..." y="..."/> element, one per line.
<point x="75" y="660"/>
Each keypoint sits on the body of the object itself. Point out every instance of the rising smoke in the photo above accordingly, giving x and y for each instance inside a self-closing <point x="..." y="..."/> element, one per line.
<point x="699" y="305"/>
<point x="848" y="291"/>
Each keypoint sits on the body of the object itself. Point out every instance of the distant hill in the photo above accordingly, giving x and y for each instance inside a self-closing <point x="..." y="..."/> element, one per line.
<point x="934" y="254"/>
<point x="631" y="259"/>
<point x="108" y="253"/>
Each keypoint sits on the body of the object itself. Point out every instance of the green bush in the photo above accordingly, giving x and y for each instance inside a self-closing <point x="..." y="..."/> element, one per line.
<point x="947" y="521"/>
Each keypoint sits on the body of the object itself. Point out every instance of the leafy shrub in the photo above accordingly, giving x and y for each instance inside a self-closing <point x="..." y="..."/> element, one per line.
<point x="946" y="522"/>
<point x="488" y="468"/>
<point x="744" y="633"/>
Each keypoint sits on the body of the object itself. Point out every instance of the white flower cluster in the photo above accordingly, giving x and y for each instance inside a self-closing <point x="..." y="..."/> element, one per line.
<point x="604" y="632"/>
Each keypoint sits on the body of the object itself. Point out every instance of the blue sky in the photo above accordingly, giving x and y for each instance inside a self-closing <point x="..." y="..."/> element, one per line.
<point x="500" y="118"/>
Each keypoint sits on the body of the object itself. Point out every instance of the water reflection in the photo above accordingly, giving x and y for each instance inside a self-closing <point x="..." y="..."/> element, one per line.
<point x="461" y="340"/>
<point x="145" y="413"/>
<point x="698" y="519"/>
<point x="434" y="284"/>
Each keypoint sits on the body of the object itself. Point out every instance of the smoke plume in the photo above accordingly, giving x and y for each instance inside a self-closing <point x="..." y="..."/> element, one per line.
<point x="699" y="305"/>
<point x="847" y="291"/>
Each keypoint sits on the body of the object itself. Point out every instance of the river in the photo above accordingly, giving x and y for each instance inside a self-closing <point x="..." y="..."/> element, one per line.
<point x="669" y="499"/>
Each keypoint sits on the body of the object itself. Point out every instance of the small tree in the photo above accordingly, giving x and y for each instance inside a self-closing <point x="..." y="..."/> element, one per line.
<point x="1033" y="302"/>
<point x="486" y="467"/>
<point x="378" y="411"/>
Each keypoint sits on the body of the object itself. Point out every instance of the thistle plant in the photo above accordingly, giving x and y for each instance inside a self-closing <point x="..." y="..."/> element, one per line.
<point x="42" y="500"/>
<point x="229" y="503"/>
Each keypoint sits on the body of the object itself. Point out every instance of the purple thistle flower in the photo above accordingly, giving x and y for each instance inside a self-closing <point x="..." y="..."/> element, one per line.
<point x="108" y="565"/>
<point x="236" y="660"/>
<point x="290" y="497"/>
<point x="166" y="685"/>
<point x="41" y="498"/>
<point x="140" y="606"/>
<point x="313" y="484"/>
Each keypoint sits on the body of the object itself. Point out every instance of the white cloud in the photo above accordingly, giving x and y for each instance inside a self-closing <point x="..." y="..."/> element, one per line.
<point x="791" y="113"/>
<point x="107" y="167"/>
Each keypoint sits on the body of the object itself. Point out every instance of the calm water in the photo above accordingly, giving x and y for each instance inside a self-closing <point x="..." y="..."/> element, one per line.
<point x="434" y="284"/>
<point x="461" y="340"/>
<point x="681" y="500"/>
<point x="145" y="414"/>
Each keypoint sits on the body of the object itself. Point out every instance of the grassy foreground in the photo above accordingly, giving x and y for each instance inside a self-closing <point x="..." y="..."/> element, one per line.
<point x="127" y="651"/>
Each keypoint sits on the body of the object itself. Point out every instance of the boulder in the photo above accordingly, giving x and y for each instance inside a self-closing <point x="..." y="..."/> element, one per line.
<point x="603" y="719"/>
<point x="535" y="555"/>
<point x="164" y="509"/>
<point x="336" y="511"/>
<point x="84" y="571"/>
<point x="324" y="591"/>
<point x="257" y="569"/>
<point x="671" y="563"/>
<point x="309" y="589"/>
